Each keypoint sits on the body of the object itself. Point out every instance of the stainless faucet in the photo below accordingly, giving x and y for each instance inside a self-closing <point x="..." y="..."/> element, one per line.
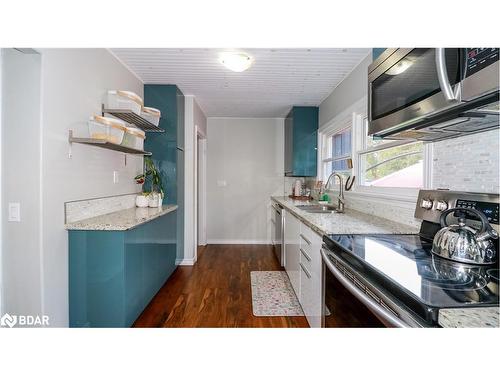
<point x="340" y="198"/>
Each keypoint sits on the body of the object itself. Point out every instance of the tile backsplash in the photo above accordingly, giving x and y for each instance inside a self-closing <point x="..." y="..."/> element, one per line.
<point x="87" y="208"/>
<point x="469" y="163"/>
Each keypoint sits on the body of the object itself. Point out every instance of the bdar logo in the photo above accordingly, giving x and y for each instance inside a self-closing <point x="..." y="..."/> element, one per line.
<point x="8" y="320"/>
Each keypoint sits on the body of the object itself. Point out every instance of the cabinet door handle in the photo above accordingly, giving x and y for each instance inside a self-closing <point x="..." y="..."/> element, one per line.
<point x="305" y="255"/>
<point x="305" y="239"/>
<point x="305" y="271"/>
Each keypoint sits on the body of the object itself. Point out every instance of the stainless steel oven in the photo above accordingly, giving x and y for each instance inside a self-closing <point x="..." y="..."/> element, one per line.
<point x="431" y="94"/>
<point x="349" y="301"/>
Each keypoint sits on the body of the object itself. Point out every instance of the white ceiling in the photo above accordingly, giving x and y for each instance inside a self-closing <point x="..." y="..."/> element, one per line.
<point x="277" y="79"/>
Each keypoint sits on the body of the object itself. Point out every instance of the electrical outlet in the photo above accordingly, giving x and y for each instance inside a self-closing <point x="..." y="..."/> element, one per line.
<point x="116" y="177"/>
<point x="14" y="211"/>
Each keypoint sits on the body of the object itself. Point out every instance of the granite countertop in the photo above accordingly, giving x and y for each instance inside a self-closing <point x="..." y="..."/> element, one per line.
<point x="474" y="317"/>
<point x="349" y="222"/>
<point x="123" y="219"/>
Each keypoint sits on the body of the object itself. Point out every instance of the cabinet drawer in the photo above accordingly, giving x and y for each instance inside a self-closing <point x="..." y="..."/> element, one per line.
<point x="310" y="246"/>
<point x="310" y="296"/>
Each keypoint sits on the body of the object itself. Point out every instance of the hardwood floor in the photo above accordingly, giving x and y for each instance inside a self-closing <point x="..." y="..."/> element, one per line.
<point x="215" y="292"/>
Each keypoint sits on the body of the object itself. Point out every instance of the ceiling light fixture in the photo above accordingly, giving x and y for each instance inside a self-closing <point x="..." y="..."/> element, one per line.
<point x="236" y="61"/>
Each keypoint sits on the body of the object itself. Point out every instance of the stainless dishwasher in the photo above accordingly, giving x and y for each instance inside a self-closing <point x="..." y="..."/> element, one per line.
<point x="279" y="230"/>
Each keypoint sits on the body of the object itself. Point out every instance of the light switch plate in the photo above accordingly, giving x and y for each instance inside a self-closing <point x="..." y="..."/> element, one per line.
<point x="14" y="212"/>
<point x="116" y="177"/>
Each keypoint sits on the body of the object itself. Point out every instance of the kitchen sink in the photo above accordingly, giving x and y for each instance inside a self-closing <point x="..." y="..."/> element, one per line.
<point x="318" y="208"/>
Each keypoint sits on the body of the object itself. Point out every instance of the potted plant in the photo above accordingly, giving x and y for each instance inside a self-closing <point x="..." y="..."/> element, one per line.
<point x="153" y="177"/>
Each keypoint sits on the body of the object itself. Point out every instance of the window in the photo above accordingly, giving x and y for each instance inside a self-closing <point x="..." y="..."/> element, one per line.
<point x="389" y="163"/>
<point x="383" y="169"/>
<point x="337" y="149"/>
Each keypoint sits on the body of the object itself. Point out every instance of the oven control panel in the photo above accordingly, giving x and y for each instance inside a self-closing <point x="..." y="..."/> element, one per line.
<point x="489" y="209"/>
<point x="431" y="204"/>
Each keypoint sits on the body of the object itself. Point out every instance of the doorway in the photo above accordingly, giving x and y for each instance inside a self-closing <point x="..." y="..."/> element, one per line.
<point x="200" y="181"/>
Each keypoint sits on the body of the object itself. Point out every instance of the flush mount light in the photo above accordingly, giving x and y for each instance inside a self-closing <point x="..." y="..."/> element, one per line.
<point x="236" y="61"/>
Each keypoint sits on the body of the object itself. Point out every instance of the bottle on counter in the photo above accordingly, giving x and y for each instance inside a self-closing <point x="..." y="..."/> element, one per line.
<point x="298" y="188"/>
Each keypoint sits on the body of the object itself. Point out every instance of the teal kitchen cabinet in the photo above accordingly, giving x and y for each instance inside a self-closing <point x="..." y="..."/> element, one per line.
<point x="113" y="275"/>
<point x="168" y="148"/>
<point x="301" y="142"/>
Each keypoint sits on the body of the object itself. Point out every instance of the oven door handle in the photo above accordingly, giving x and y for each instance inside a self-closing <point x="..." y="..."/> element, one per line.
<point x="444" y="81"/>
<point x="378" y="310"/>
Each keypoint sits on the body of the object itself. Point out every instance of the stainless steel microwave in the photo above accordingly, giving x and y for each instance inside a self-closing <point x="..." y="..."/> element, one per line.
<point x="430" y="94"/>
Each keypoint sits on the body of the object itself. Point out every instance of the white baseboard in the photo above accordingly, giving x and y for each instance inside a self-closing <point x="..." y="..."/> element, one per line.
<point x="238" y="242"/>
<point x="185" y="262"/>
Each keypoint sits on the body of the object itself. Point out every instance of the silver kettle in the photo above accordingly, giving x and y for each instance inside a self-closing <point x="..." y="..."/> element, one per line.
<point x="462" y="243"/>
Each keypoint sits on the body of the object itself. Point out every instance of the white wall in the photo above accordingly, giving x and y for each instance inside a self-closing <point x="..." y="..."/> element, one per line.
<point x="352" y="88"/>
<point x="194" y="118"/>
<point x="200" y="176"/>
<point x="199" y="118"/>
<point x="21" y="182"/>
<point x="73" y="84"/>
<point x="246" y="155"/>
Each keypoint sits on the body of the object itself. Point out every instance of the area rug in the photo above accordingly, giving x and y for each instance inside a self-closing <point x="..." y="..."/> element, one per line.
<point x="273" y="295"/>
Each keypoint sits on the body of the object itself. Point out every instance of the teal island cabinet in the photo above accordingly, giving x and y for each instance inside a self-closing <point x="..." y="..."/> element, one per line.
<point x="117" y="263"/>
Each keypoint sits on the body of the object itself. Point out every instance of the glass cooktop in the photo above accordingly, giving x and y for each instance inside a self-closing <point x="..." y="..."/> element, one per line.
<point x="404" y="266"/>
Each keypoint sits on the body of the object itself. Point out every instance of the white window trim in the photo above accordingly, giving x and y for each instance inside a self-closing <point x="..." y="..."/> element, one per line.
<point x="339" y="123"/>
<point x="357" y="112"/>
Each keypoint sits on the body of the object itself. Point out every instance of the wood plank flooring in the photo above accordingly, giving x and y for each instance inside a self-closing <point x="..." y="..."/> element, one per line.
<point x="215" y="292"/>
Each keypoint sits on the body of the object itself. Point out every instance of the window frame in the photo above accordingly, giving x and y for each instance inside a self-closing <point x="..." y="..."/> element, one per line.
<point x="355" y="116"/>
<point x="325" y="135"/>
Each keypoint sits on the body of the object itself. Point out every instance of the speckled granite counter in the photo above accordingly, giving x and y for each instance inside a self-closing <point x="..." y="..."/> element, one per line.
<point x="350" y="222"/>
<point x="121" y="220"/>
<point x="486" y="317"/>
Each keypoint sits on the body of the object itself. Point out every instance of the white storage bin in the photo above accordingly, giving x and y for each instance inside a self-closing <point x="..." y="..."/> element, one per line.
<point x="109" y="129"/>
<point x="134" y="138"/>
<point x="116" y="99"/>
<point x="151" y="114"/>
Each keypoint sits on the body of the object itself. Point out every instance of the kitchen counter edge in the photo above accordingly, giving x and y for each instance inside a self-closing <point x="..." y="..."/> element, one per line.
<point x="122" y="220"/>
